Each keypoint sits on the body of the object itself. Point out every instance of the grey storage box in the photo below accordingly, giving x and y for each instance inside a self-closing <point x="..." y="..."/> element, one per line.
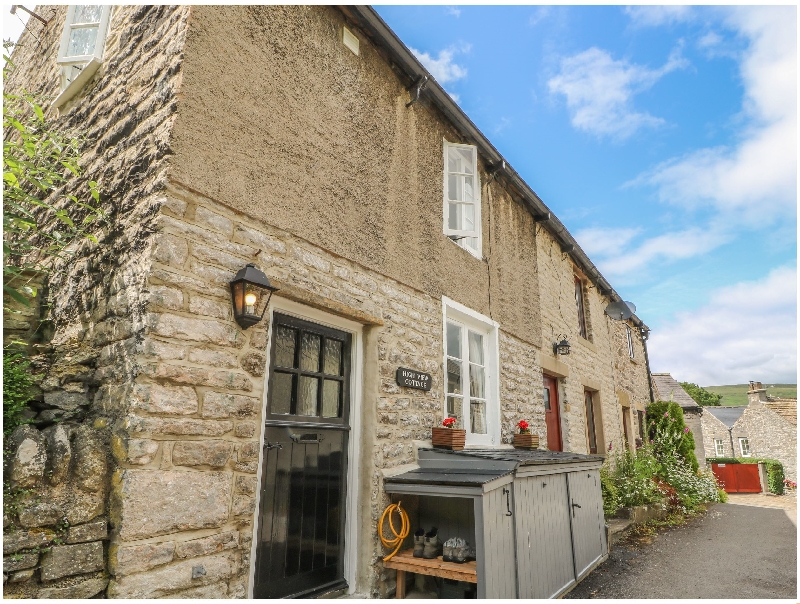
<point x="535" y="517"/>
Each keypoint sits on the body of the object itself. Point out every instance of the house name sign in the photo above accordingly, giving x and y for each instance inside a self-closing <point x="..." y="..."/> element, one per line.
<point x="409" y="378"/>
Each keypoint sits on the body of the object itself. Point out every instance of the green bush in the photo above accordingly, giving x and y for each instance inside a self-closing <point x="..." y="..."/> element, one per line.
<point x="633" y="477"/>
<point x="700" y="395"/>
<point x="609" y="489"/>
<point x="17" y="384"/>
<point x="774" y="469"/>
<point x="667" y="430"/>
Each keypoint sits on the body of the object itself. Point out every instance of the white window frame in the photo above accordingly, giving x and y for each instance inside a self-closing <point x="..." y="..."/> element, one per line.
<point x="629" y="335"/>
<point x="102" y="30"/>
<point x="741" y="447"/>
<point x="477" y="322"/>
<point x="87" y="64"/>
<point x="459" y="236"/>
<point x="719" y="447"/>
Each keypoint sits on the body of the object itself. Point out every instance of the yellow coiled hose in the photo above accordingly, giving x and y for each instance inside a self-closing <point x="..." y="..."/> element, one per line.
<point x="405" y="526"/>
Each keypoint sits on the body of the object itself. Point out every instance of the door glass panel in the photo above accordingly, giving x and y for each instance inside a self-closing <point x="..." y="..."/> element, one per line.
<point x="454" y="376"/>
<point x="476" y="381"/>
<point x="309" y="352"/>
<point x="330" y="398"/>
<point x="453" y="341"/>
<point x="307" y="395"/>
<point x="281" y="398"/>
<point x="477" y="411"/>
<point x="332" y="362"/>
<point x="547" y="399"/>
<point x="285" y="339"/>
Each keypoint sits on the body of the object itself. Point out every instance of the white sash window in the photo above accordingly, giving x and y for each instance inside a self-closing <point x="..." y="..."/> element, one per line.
<point x="82" y="45"/>
<point x="462" y="199"/>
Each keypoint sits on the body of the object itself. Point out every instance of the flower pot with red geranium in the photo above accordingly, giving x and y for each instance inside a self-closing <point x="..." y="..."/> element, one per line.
<point x="449" y="437"/>
<point x="524" y="439"/>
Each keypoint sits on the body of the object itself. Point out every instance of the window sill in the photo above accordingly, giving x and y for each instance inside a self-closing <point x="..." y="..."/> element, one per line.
<point x="587" y="344"/>
<point x="78" y="83"/>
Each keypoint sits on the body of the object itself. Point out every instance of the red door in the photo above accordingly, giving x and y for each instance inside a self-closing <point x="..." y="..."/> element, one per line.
<point x="551" y="417"/>
<point x="737" y="477"/>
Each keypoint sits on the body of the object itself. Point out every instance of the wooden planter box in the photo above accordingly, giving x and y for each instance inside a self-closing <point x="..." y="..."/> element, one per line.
<point x="526" y="441"/>
<point x="448" y="438"/>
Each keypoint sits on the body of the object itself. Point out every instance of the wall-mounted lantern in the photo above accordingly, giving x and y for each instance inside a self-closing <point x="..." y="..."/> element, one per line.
<point x="561" y="347"/>
<point x="251" y="292"/>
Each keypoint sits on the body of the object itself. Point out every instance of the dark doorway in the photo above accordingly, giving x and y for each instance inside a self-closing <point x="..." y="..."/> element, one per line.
<point x="551" y="414"/>
<point x="300" y="549"/>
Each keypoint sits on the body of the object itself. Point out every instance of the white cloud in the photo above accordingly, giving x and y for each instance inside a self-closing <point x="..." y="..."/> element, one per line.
<point x="452" y="10"/>
<point x="604" y="242"/>
<point x="600" y="91"/>
<point x="755" y="178"/>
<point x="539" y="14"/>
<point x="748" y="331"/>
<point x="651" y="16"/>
<point x="617" y="257"/>
<point x="709" y="40"/>
<point x="443" y="68"/>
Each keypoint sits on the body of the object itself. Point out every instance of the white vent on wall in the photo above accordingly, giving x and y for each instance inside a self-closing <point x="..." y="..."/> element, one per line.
<point x="350" y="40"/>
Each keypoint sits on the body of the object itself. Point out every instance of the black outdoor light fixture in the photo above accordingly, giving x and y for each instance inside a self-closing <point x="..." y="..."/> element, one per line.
<point x="251" y="292"/>
<point x="561" y="347"/>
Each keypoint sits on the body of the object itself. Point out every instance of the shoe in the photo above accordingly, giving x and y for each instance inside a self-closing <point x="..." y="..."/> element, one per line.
<point x="433" y="547"/>
<point x="461" y="552"/>
<point x="447" y="549"/>
<point x="419" y="542"/>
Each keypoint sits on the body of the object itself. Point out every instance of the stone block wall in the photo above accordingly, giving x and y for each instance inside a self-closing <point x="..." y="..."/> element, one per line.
<point x="714" y="429"/>
<point x="55" y="518"/>
<point x="83" y="335"/>
<point x="770" y="435"/>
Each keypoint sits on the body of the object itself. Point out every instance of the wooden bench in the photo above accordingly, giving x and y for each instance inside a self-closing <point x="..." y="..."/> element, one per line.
<point x="405" y="562"/>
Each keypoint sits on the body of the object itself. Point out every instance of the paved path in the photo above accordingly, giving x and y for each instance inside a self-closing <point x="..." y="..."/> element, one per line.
<point x="733" y="551"/>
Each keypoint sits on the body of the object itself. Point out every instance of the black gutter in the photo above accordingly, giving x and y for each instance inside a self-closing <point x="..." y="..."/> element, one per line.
<point x="375" y="28"/>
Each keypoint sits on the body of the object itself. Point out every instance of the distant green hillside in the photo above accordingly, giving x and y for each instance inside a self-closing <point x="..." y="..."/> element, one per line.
<point x="737" y="394"/>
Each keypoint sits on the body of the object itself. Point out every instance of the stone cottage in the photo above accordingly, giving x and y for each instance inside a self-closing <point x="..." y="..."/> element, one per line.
<point x="765" y="427"/>
<point x="667" y="388"/>
<point x="177" y="453"/>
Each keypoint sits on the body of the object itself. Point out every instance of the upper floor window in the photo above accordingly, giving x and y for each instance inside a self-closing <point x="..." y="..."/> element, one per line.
<point x="462" y="203"/>
<point x="471" y="368"/>
<point x="744" y="447"/>
<point x="579" y="302"/>
<point x="82" y="44"/>
<point x="629" y="336"/>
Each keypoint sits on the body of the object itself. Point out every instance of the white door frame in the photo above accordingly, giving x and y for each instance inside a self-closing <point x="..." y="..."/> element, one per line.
<point x="289" y="307"/>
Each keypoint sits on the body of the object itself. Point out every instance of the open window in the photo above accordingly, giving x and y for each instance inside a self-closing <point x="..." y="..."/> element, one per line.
<point x="82" y="45"/>
<point x="462" y="200"/>
<point x="470" y="357"/>
<point x="744" y="447"/>
<point x="719" y="447"/>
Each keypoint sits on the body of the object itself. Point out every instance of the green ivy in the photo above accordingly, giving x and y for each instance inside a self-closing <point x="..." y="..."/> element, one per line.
<point x="17" y="385"/>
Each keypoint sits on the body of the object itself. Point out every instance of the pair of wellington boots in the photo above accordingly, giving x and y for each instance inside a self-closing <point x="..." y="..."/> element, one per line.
<point x="427" y="545"/>
<point x="457" y="550"/>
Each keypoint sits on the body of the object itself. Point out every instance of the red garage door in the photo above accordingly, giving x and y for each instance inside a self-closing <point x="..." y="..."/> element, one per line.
<point x="737" y="477"/>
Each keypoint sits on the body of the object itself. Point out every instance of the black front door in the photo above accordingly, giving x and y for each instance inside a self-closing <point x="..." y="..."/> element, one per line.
<point x="300" y="548"/>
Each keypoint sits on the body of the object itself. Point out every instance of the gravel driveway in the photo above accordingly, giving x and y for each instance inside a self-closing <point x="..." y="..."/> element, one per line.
<point x="733" y="551"/>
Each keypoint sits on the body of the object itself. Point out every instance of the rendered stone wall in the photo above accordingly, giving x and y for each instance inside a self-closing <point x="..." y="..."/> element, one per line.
<point x="93" y="299"/>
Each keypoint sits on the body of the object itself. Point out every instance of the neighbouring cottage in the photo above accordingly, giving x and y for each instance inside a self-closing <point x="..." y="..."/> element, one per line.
<point x="765" y="427"/>
<point x="186" y="451"/>
<point x="667" y="388"/>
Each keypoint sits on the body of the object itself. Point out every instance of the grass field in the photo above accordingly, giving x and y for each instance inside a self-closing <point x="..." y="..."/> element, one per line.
<point x="737" y="394"/>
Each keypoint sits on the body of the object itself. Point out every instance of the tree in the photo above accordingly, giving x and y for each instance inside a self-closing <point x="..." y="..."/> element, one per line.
<point x="701" y="396"/>
<point x="665" y="426"/>
<point x="40" y="218"/>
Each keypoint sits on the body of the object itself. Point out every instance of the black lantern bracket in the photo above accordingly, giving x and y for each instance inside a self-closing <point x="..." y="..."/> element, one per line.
<point x="561" y="347"/>
<point x="251" y="292"/>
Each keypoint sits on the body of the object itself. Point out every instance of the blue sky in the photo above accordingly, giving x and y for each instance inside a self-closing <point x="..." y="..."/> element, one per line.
<point x="665" y="138"/>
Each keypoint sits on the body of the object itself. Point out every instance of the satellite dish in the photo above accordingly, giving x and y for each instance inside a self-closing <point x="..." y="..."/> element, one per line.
<point x="619" y="311"/>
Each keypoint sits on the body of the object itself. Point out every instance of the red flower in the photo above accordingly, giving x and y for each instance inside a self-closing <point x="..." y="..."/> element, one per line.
<point x="449" y="422"/>
<point x="523" y="427"/>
